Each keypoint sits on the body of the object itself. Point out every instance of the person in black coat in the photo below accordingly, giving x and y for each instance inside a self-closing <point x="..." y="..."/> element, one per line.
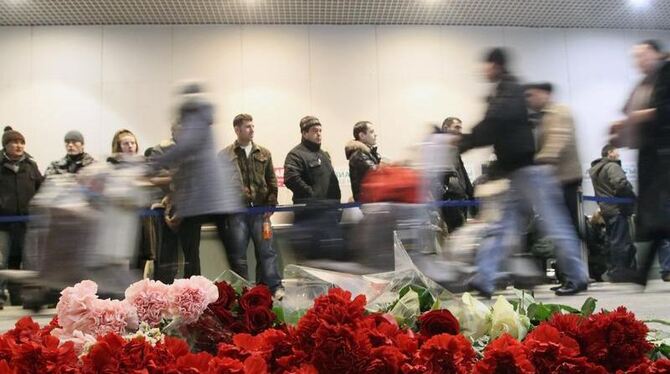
<point x="647" y="128"/>
<point x="19" y="181"/>
<point x="456" y="184"/>
<point x="506" y="127"/>
<point x="362" y="155"/>
<point x="308" y="171"/>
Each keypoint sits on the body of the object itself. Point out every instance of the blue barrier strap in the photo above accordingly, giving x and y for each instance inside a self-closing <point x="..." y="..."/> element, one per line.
<point x="291" y="208"/>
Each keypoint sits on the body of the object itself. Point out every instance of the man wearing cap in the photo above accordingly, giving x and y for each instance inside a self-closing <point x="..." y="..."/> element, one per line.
<point x="505" y="126"/>
<point x="308" y="172"/>
<point x="19" y="180"/>
<point x="75" y="157"/>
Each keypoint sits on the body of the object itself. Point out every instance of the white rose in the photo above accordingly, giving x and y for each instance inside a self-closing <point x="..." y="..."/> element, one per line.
<point x="504" y="319"/>
<point x="473" y="316"/>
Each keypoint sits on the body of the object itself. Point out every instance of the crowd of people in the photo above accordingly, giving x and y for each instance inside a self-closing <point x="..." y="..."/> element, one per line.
<point x="533" y="139"/>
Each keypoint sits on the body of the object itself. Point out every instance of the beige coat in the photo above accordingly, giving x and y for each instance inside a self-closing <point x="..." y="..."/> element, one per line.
<point x="557" y="144"/>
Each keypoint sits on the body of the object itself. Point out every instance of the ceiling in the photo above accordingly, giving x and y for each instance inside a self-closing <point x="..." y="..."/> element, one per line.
<point x="528" y="13"/>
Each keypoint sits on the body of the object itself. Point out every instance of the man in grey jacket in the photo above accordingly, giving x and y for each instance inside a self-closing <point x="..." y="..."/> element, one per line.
<point x="609" y="181"/>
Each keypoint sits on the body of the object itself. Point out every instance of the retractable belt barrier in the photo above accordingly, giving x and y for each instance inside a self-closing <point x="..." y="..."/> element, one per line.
<point x="291" y="208"/>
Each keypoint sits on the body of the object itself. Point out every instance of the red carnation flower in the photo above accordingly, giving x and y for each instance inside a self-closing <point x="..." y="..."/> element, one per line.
<point x="547" y="347"/>
<point x="437" y="322"/>
<point x="135" y="354"/>
<point x="194" y="363"/>
<point x="446" y="353"/>
<point x="226" y="365"/>
<point x="578" y="365"/>
<point x="338" y="350"/>
<point x="651" y="367"/>
<point x="257" y="297"/>
<point x="569" y="324"/>
<point x="504" y="355"/>
<point x="259" y="319"/>
<point x="385" y="360"/>
<point x="615" y="340"/>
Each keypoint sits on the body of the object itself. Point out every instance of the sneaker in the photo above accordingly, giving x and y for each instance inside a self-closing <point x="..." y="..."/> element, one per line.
<point x="279" y="294"/>
<point x="665" y="277"/>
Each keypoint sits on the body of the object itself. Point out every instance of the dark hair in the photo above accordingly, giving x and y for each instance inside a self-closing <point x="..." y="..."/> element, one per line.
<point x="361" y="126"/>
<point x="653" y="44"/>
<point x="607" y="149"/>
<point x="450" y="121"/>
<point x="497" y="56"/>
<point x="543" y="86"/>
<point x="240" y="119"/>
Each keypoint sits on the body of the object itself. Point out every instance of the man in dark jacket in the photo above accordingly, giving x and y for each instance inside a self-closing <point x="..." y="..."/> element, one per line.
<point x="308" y="172"/>
<point x="19" y="181"/>
<point x="456" y="184"/>
<point x="362" y="155"/>
<point x="506" y="127"/>
<point x="647" y="127"/>
<point x="75" y="157"/>
<point x="259" y="187"/>
<point x="609" y="181"/>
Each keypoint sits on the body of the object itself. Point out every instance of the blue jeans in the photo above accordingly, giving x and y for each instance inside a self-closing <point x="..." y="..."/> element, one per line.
<point x="535" y="186"/>
<point x="242" y="228"/>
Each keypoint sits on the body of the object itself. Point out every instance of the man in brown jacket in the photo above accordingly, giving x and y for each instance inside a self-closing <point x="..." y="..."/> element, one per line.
<point x="259" y="185"/>
<point x="556" y="143"/>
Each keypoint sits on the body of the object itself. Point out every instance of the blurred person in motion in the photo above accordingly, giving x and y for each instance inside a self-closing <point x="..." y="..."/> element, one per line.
<point x="609" y="181"/>
<point x="206" y="187"/>
<point x="125" y="148"/>
<point x="647" y="128"/>
<point x="20" y="179"/>
<point x="309" y="174"/>
<point x="75" y="158"/>
<point x="362" y="155"/>
<point x="506" y="127"/>
<point x="456" y="184"/>
<point x="259" y="189"/>
<point x="556" y="143"/>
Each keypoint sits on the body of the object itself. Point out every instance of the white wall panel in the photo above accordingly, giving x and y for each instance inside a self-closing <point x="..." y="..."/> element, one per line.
<point x="15" y="71"/>
<point x="66" y="89"/>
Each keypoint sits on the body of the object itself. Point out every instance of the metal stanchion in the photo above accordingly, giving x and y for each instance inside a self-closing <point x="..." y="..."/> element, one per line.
<point x="582" y="229"/>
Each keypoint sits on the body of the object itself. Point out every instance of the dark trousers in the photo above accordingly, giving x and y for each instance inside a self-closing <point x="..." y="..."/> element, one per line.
<point x="622" y="249"/>
<point x="571" y="197"/>
<point x="188" y="235"/>
<point x="12" y="257"/>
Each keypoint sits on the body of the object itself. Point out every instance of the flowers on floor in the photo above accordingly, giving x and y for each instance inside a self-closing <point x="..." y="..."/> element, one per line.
<point x="197" y="326"/>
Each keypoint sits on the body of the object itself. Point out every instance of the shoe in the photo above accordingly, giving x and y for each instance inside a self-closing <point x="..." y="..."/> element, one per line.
<point x="665" y="277"/>
<point x="481" y="291"/>
<point x="279" y="294"/>
<point x="622" y="276"/>
<point x="570" y="288"/>
<point x="555" y="288"/>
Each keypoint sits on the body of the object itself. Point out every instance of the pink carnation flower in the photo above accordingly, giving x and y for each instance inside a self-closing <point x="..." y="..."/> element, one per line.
<point x="190" y="297"/>
<point x="77" y="337"/>
<point x="150" y="298"/>
<point x="74" y="305"/>
<point x="112" y="316"/>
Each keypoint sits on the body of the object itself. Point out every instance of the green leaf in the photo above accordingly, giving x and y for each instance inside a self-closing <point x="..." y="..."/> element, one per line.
<point x="662" y="322"/>
<point x="279" y="312"/>
<point x="407" y="309"/>
<point x="589" y="306"/>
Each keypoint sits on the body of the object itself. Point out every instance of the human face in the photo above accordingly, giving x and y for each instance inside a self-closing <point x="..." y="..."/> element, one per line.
<point x="73" y="147"/>
<point x="369" y="137"/>
<point x="455" y="128"/>
<point x="313" y="134"/>
<point x="646" y="58"/>
<point x="537" y="99"/>
<point x="491" y="71"/>
<point x="613" y="155"/>
<point x="128" y="144"/>
<point x="245" y="132"/>
<point x="15" y="149"/>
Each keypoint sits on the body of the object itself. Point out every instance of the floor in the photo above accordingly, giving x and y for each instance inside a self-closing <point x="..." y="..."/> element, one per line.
<point x="651" y="303"/>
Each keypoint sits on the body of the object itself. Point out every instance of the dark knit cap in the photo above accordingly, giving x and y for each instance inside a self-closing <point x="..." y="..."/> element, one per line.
<point x="308" y="122"/>
<point x="11" y="135"/>
<point x="74" y="135"/>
